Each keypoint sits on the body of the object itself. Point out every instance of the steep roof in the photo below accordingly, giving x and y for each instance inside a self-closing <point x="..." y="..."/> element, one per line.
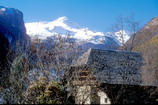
<point x="113" y="67"/>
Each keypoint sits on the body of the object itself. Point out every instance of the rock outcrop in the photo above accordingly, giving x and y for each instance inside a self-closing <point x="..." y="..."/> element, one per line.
<point x="12" y="25"/>
<point x="12" y="31"/>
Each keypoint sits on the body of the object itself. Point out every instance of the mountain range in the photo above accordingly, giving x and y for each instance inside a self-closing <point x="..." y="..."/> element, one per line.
<point x="84" y="36"/>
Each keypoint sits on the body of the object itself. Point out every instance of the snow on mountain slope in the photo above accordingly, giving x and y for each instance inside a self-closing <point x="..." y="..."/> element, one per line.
<point x="63" y="26"/>
<point x="121" y="36"/>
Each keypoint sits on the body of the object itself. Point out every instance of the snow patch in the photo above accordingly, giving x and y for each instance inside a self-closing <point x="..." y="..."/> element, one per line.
<point x="122" y="36"/>
<point x="2" y="9"/>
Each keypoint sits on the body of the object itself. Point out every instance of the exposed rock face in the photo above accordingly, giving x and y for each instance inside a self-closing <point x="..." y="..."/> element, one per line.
<point x="12" y="25"/>
<point x="4" y="45"/>
<point x="12" y="31"/>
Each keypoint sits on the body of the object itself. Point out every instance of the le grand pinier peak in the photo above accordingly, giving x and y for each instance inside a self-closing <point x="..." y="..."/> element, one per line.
<point x="84" y="36"/>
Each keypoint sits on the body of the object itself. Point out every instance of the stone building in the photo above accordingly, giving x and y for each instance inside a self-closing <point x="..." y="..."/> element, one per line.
<point x="99" y="71"/>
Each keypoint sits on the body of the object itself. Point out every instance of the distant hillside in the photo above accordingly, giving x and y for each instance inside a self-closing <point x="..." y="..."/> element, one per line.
<point x="146" y="42"/>
<point x="146" y="33"/>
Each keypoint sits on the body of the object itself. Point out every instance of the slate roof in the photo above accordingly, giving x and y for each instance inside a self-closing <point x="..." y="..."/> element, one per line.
<point x="113" y="67"/>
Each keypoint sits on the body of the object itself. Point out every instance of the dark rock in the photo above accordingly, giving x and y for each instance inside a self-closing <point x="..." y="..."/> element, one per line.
<point x="12" y="25"/>
<point x="12" y="31"/>
<point x="4" y="45"/>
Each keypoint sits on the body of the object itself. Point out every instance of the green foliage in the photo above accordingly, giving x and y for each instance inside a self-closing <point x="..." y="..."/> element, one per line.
<point x="52" y="95"/>
<point x="35" y="90"/>
<point x="43" y="92"/>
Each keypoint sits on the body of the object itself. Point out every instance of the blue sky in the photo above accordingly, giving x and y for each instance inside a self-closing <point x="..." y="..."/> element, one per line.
<point x="94" y="14"/>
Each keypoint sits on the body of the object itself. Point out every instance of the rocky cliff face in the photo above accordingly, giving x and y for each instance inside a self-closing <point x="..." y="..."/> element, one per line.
<point x="12" y="31"/>
<point x="12" y="25"/>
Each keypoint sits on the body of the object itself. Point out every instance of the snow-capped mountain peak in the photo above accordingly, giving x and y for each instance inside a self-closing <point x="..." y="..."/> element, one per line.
<point x="63" y="26"/>
<point x="64" y="18"/>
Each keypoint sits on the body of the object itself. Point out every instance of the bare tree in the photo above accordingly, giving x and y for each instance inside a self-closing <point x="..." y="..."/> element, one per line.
<point x="119" y="29"/>
<point x="133" y="27"/>
<point x="123" y="24"/>
<point x="49" y="59"/>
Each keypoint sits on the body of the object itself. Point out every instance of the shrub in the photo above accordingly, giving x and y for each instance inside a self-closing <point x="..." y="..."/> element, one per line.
<point x="43" y="92"/>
